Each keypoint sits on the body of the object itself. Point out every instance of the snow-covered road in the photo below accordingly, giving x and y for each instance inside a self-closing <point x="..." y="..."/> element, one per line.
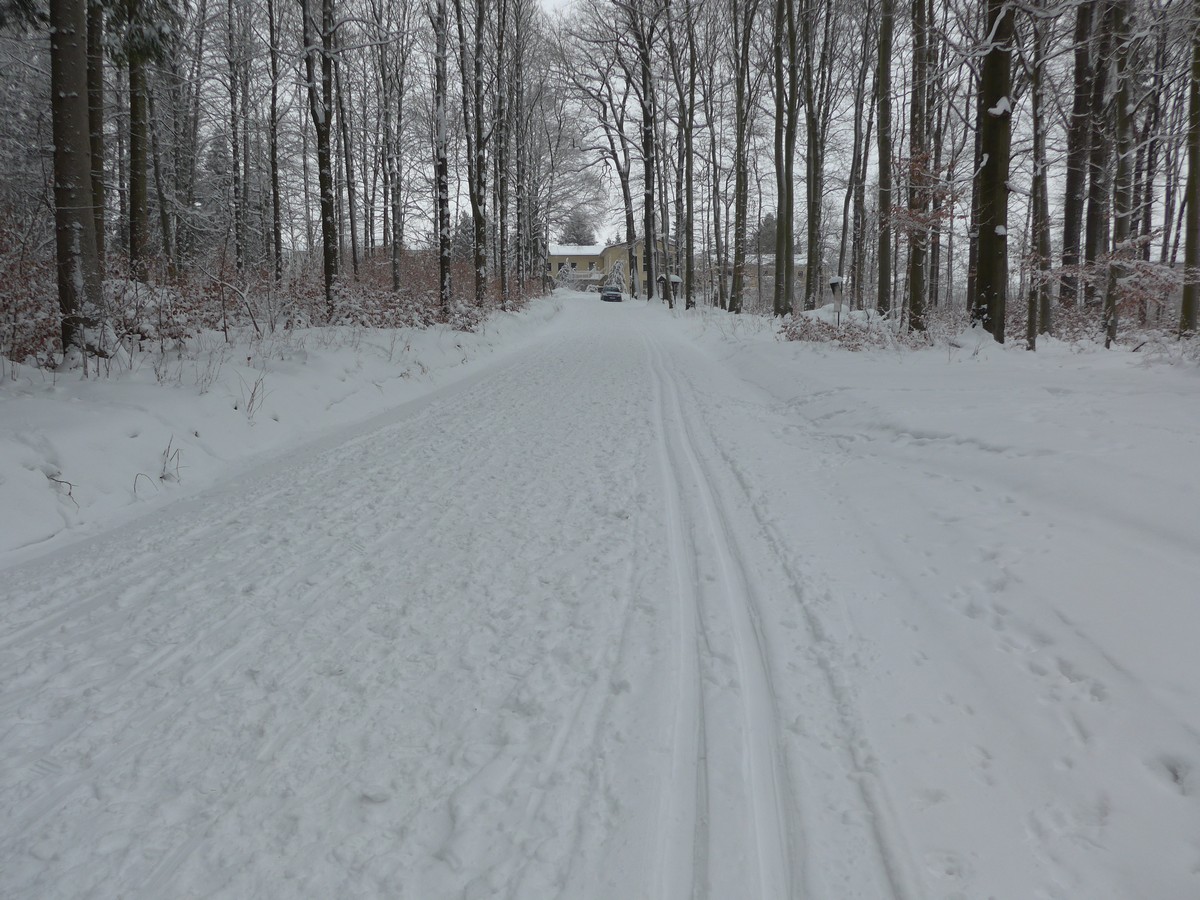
<point x="620" y="616"/>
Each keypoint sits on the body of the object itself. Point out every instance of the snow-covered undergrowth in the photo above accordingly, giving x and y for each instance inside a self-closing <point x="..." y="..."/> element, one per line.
<point x="1080" y="329"/>
<point x="81" y="448"/>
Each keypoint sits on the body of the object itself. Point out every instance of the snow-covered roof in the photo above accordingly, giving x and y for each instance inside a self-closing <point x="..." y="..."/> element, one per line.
<point x="576" y="249"/>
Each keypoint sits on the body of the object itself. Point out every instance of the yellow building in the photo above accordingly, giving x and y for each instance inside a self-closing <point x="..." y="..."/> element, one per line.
<point x="584" y="266"/>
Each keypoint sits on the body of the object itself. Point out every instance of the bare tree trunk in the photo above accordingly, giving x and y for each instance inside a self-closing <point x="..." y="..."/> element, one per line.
<point x="95" y="92"/>
<point x="165" y="204"/>
<point x="918" y="163"/>
<point x="995" y="137"/>
<point x="818" y="100"/>
<point x="689" y="132"/>
<point x="1122" y="251"/>
<point x="857" y="156"/>
<point x="273" y="146"/>
<point x="883" y="297"/>
<point x="1191" y="247"/>
<point x="503" y="143"/>
<point x="74" y="223"/>
<point x="642" y="30"/>
<point x="440" y="17"/>
<point x="318" y="39"/>
<point x="347" y="161"/>
<point x="786" y="53"/>
<point x="1077" y="146"/>
<point x="139" y="169"/>
<point x="233" y="53"/>
<point x="1038" y="318"/>
<point x="471" y="70"/>
<point x="1098" y="195"/>
<point x="859" y="237"/>
<point x="743" y="28"/>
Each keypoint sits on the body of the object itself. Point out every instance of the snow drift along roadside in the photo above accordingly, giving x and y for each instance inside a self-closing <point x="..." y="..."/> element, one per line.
<point x="77" y="455"/>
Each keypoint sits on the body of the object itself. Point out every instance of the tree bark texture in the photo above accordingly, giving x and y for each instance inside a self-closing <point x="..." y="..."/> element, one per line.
<point x="995" y="139"/>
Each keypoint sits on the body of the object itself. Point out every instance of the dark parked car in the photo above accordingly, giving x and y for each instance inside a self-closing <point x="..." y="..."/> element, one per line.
<point x="611" y="294"/>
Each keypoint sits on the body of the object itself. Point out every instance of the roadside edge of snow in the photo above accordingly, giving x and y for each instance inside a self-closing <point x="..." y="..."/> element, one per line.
<point x="80" y="456"/>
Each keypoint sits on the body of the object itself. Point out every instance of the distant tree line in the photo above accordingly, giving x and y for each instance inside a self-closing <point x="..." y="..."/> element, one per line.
<point x="915" y="155"/>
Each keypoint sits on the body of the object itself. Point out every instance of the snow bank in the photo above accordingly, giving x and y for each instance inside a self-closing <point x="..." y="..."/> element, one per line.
<point x="78" y="453"/>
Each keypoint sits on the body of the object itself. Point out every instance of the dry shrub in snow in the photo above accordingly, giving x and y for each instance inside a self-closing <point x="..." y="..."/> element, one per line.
<point x="140" y="317"/>
<point x="29" y="329"/>
<point x="866" y="330"/>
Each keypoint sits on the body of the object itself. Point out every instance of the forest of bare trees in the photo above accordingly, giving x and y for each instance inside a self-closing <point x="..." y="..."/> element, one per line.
<point x="1025" y="163"/>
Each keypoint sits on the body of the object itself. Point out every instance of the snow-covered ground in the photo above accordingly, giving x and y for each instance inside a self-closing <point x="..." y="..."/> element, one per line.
<point x="627" y="604"/>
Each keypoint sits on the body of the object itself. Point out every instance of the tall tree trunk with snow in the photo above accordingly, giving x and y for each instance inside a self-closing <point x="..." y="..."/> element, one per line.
<point x="684" y="64"/>
<point x="95" y="91"/>
<point x="139" y="150"/>
<point x="786" y="53"/>
<point x="343" y="117"/>
<point x="995" y="141"/>
<point x="503" y="126"/>
<point x="857" y="159"/>
<point x="1122" y="252"/>
<point x="1076" y="163"/>
<point x="471" y="69"/>
<point x="273" y="146"/>
<point x="887" y="18"/>
<point x="165" y="202"/>
<point x="74" y="224"/>
<point x="818" y="36"/>
<point x="918" y="164"/>
<point x="318" y="37"/>
<point x="440" y="18"/>
<point x="743" y="30"/>
<point x="641" y="24"/>
<point x="1191" y="251"/>
<point x="859" y="238"/>
<point x="1038" y="318"/>
<point x="234" y="52"/>
<point x="1099" y="211"/>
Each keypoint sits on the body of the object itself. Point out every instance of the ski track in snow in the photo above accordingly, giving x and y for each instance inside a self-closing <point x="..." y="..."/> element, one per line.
<point x="856" y="851"/>
<point x="608" y="621"/>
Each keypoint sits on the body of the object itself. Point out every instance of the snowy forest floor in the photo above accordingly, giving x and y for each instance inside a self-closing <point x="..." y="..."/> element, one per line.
<point x="602" y="602"/>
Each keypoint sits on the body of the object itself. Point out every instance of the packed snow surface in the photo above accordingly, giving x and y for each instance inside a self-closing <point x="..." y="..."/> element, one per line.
<point x="622" y="603"/>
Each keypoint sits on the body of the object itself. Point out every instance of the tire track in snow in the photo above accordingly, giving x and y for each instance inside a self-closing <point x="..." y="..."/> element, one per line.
<point x="774" y="819"/>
